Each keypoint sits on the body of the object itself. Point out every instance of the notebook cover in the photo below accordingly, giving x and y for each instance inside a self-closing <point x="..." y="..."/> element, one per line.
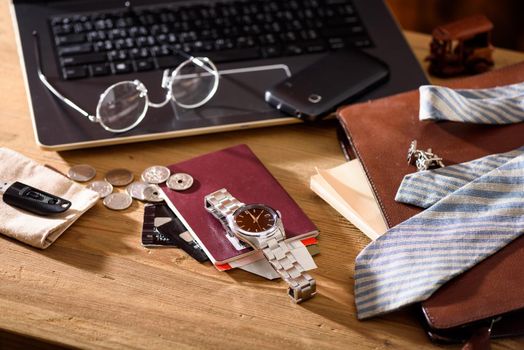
<point x="380" y="132"/>
<point x="239" y="171"/>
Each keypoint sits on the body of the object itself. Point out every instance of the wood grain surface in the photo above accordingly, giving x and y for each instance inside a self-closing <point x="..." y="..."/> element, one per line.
<point x="97" y="287"/>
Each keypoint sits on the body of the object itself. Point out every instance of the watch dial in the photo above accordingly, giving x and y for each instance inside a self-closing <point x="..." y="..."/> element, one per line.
<point x="255" y="219"/>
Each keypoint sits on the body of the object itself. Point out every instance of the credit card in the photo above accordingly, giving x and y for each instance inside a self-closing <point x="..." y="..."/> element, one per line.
<point x="162" y="228"/>
<point x="150" y="235"/>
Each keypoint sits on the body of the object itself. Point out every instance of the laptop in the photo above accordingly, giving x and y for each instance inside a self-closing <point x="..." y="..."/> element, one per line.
<point x="88" y="45"/>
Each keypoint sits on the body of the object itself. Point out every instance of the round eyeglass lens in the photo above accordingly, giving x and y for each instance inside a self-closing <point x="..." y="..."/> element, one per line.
<point x="122" y="106"/>
<point x="194" y="82"/>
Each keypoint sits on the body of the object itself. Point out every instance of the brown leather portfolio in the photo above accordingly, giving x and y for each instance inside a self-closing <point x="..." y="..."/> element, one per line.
<point x="379" y="134"/>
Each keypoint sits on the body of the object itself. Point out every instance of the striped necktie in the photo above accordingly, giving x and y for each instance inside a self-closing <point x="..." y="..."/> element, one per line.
<point x="500" y="105"/>
<point x="475" y="209"/>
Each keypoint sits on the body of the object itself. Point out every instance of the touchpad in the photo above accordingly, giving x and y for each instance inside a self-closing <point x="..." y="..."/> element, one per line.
<point x="240" y="94"/>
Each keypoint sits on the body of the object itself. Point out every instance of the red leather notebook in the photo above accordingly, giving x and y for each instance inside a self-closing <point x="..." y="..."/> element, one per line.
<point x="239" y="171"/>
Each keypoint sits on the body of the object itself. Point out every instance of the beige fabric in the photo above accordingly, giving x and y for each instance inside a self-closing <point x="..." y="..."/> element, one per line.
<point x="40" y="231"/>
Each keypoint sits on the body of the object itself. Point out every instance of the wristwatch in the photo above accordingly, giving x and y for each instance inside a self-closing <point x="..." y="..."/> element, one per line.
<point x="261" y="227"/>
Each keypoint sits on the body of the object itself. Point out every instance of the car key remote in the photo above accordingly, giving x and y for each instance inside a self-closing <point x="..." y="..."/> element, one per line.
<point x="32" y="199"/>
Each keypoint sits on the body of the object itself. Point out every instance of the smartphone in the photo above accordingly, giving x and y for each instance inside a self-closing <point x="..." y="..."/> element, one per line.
<point x="337" y="78"/>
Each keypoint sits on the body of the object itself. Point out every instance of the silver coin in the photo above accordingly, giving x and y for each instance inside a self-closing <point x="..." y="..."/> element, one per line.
<point x="118" y="201"/>
<point x="152" y="193"/>
<point x="103" y="188"/>
<point x="119" y="177"/>
<point x="156" y="174"/>
<point x="180" y="181"/>
<point x="81" y="172"/>
<point x="136" y="189"/>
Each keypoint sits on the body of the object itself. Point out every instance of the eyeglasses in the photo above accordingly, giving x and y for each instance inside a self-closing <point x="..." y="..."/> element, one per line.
<point x="123" y="105"/>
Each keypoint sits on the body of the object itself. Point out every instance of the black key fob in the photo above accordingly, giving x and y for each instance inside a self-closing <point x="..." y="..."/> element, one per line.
<point x="32" y="199"/>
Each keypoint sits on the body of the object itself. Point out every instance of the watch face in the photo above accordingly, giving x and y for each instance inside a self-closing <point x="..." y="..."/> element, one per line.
<point x="255" y="218"/>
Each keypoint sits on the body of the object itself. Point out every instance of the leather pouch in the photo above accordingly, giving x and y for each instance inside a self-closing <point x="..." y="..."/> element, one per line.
<point x="379" y="133"/>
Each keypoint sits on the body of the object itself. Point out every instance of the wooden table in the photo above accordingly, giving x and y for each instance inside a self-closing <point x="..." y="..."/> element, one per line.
<point x="97" y="287"/>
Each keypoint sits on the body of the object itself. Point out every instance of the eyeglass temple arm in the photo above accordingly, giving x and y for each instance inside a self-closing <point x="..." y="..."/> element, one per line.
<point x="50" y="87"/>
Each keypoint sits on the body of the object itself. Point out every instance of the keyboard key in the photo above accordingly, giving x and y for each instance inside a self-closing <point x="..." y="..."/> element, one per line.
<point x="294" y="50"/>
<point x="336" y="43"/>
<point x="83" y="59"/>
<point x="119" y="55"/>
<point x="359" y="42"/>
<point x="144" y="65"/>
<point x="75" y="49"/>
<point x="70" y="39"/>
<point x="139" y="53"/>
<point x="122" y="67"/>
<point x="98" y="70"/>
<point x="315" y="46"/>
<point x="75" y="72"/>
<point x="339" y="43"/>
<point x="271" y="51"/>
<point x="63" y="29"/>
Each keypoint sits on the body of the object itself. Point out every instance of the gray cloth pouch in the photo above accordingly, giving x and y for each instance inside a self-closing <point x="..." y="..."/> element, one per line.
<point x="40" y="231"/>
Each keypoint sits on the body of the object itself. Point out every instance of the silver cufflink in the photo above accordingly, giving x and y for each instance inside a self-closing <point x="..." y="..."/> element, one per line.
<point x="423" y="160"/>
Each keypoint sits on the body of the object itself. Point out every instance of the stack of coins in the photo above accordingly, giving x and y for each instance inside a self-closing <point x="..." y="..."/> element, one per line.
<point x="145" y="190"/>
<point x="119" y="200"/>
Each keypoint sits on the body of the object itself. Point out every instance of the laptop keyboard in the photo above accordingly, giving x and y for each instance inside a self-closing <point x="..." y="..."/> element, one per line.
<point x="143" y="39"/>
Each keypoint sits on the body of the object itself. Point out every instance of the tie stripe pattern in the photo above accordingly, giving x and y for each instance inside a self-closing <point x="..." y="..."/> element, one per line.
<point x="425" y="188"/>
<point x="479" y="212"/>
<point x="500" y="105"/>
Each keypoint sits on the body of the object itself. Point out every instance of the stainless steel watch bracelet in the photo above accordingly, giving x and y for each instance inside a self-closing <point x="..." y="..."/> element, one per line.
<point x="222" y="204"/>
<point x="301" y="285"/>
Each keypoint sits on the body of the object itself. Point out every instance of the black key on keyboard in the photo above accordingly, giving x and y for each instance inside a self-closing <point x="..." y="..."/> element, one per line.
<point x="98" y="70"/>
<point x="122" y="67"/>
<point x="294" y="49"/>
<point x="143" y="65"/>
<point x="75" y="72"/>
<point x="70" y="39"/>
<point x="75" y="49"/>
<point x="83" y="59"/>
<point x="359" y="42"/>
<point x="315" y="46"/>
<point x="271" y="51"/>
<point x="139" y="53"/>
<point x="63" y="29"/>
<point x="120" y="55"/>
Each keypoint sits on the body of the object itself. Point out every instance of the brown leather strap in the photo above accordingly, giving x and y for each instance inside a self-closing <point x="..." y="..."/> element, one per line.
<point x="480" y="340"/>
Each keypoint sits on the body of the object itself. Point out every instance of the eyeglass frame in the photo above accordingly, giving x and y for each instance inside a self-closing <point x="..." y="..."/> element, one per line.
<point x="167" y="84"/>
